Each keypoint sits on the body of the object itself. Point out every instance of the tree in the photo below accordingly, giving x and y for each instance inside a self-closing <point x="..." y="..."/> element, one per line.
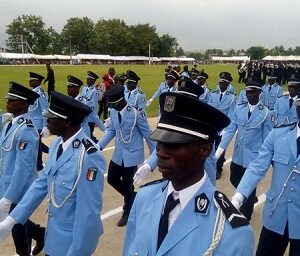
<point x="30" y="29"/>
<point x="55" y="46"/>
<point x="256" y="52"/>
<point x="167" y="45"/>
<point x="78" y="36"/>
<point x="113" y="37"/>
<point x="143" y="35"/>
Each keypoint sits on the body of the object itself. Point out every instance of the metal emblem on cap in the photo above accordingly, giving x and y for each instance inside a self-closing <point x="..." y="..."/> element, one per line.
<point x="169" y="103"/>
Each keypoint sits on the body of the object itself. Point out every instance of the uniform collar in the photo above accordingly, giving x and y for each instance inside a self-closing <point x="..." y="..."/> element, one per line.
<point x="186" y="194"/>
<point x="36" y="89"/>
<point x="15" y="119"/>
<point x="69" y="141"/>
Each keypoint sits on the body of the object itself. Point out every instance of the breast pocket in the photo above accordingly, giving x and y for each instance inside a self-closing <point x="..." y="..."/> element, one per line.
<point x="138" y="249"/>
<point x="240" y="121"/>
<point x="281" y="157"/>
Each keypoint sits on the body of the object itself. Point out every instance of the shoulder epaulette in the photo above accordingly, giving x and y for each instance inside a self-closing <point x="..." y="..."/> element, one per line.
<point x="229" y="92"/>
<point x="243" y="103"/>
<point x="215" y="91"/>
<point x="234" y="217"/>
<point x="153" y="182"/>
<point x="89" y="147"/>
<point x="281" y="96"/>
<point x="292" y="125"/>
<point x="141" y="92"/>
<point x="29" y="123"/>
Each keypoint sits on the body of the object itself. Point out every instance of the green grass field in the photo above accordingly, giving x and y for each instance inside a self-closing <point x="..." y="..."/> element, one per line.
<point x="151" y="76"/>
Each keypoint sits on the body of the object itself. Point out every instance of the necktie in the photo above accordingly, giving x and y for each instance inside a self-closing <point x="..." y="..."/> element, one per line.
<point x="119" y="117"/>
<point x="221" y="96"/>
<point x="298" y="146"/>
<point x="270" y="88"/>
<point x="164" y="219"/>
<point x="129" y="94"/>
<point x="8" y="127"/>
<point x="59" y="151"/>
<point x="249" y="114"/>
<point x="291" y="102"/>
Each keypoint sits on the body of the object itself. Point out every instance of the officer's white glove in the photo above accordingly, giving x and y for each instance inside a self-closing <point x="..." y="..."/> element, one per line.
<point x="6" y="227"/>
<point x="6" y="117"/>
<point x="4" y="208"/>
<point x="107" y="122"/>
<point x="237" y="200"/>
<point x="149" y="102"/>
<point x="141" y="173"/>
<point x="219" y="152"/>
<point x="45" y="132"/>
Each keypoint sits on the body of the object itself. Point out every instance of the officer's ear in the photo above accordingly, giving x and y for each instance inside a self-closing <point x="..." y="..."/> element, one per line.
<point x="204" y="148"/>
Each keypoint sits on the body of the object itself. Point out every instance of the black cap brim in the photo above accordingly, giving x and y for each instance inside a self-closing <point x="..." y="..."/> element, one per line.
<point x="169" y="136"/>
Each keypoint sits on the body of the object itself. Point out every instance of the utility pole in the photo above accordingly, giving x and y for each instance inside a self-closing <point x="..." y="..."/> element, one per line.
<point x="70" y="51"/>
<point x="149" y="54"/>
<point x="22" y="47"/>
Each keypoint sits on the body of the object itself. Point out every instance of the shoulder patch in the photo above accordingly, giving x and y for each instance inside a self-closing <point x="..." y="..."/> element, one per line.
<point x="153" y="182"/>
<point x="89" y="147"/>
<point x="29" y="123"/>
<point x="235" y="218"/>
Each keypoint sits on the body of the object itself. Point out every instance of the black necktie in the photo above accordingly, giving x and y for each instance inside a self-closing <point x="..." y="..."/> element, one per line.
<point x="221" y="96"/>
<point x="59" y="151"/>
<point x="8" y="127"/>
<point x="164" y="219"/>
<point x="129" y="94"/>
<point x="249" y="114"/>
<point x="270" y="88"/>
<point x="298" y="146"/>
<point x="119" y="117"/>
<point x="291" y="102"/>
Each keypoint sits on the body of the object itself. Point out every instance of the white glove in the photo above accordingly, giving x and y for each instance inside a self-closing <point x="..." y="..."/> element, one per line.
<point x="6" y="117"/>
<point x="107" y="122"/>
<point x="45" y="132"/>
<point x="4" y="208"/>
<point x="149" y="102"/>
<point x="219" y="152"/>
<point x="6" y="227"/>
<point x="141" y="173"/>
<point x="237" y="200"/>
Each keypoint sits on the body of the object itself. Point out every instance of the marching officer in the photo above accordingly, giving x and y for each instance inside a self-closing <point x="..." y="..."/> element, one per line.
<point x="270" y="92"/>
<point x="281" y="212"/>
<point x="129" y="126"/>
<point x="91" y="94"/>
<point x="229" y="78"/>
<point x="224" y="100"/>
<point x="133" y="94"/>
<point x="73" y="180"/>
<point x="201" y="81"/>
<point x="73" y="90"/>
<point x="19" y="149"/>
<point x="36" y="113"/>
<point x="251" y="121"/>
<point x="183" y="214"/>
<point x="169" y="85"/>
<point x="284" y="109"/>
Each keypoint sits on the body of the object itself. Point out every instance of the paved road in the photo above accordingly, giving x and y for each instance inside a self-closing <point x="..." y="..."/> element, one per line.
<point x="112" y="240"/>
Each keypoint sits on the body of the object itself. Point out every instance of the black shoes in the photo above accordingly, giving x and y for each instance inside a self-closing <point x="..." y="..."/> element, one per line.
<point x="123" y="221"/>
<point x="218" y="175"/>
<point x="39" y="243"/>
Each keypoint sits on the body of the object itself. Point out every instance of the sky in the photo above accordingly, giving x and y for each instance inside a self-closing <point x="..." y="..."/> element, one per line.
<point x="196" y="24"/>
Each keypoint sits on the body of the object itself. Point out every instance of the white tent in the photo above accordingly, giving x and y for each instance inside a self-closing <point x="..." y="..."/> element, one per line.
<point x="93" y="57"/>
<point x="233" y="58"/>
<point x="9" y="55"/>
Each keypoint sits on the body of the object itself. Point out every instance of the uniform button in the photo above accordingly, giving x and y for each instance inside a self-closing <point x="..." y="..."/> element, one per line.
<point x="244" y="146"/>
<point x="290" y="200"/>
<point x="295" y="166"/>
<point x="50" y="214"/>
<point x="136" y="254"/>
<point x="64" y="183"/>
<point x="279" y="159"/>
<point x="292" y="189"/>
<point x="294" y="178"/>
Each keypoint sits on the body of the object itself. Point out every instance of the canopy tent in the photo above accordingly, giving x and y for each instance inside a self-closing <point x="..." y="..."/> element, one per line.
<point x="282" y="58"/>
<point x="232" y="58"/>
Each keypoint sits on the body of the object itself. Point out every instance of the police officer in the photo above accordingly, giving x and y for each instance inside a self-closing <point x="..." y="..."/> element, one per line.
<point x="251" y="121"/>
<point x="50" y="79"/>
<point x="73" y="90"/>
<point x="270" y="92"/>
<point x="19" y="149"/>
<point x="90" y="93"/>
<point x="129" y="126"/>
<point x="73" y="180"/>
<point x="224" y="100"/>
<point x="284" y="109"/>
<point x="36" y="113"/>
<point x="201" y="81"/>
<point x="169" y="85"/>
<point x="183" y="214"/>
<point x="227" y="76"/>
<point x="281" y="210"/>
<point x="133" y="94"/>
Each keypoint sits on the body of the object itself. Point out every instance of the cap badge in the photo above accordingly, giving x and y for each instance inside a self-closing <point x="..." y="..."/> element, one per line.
<point x="169" y="103"/>
<point x="201" y="203"/>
